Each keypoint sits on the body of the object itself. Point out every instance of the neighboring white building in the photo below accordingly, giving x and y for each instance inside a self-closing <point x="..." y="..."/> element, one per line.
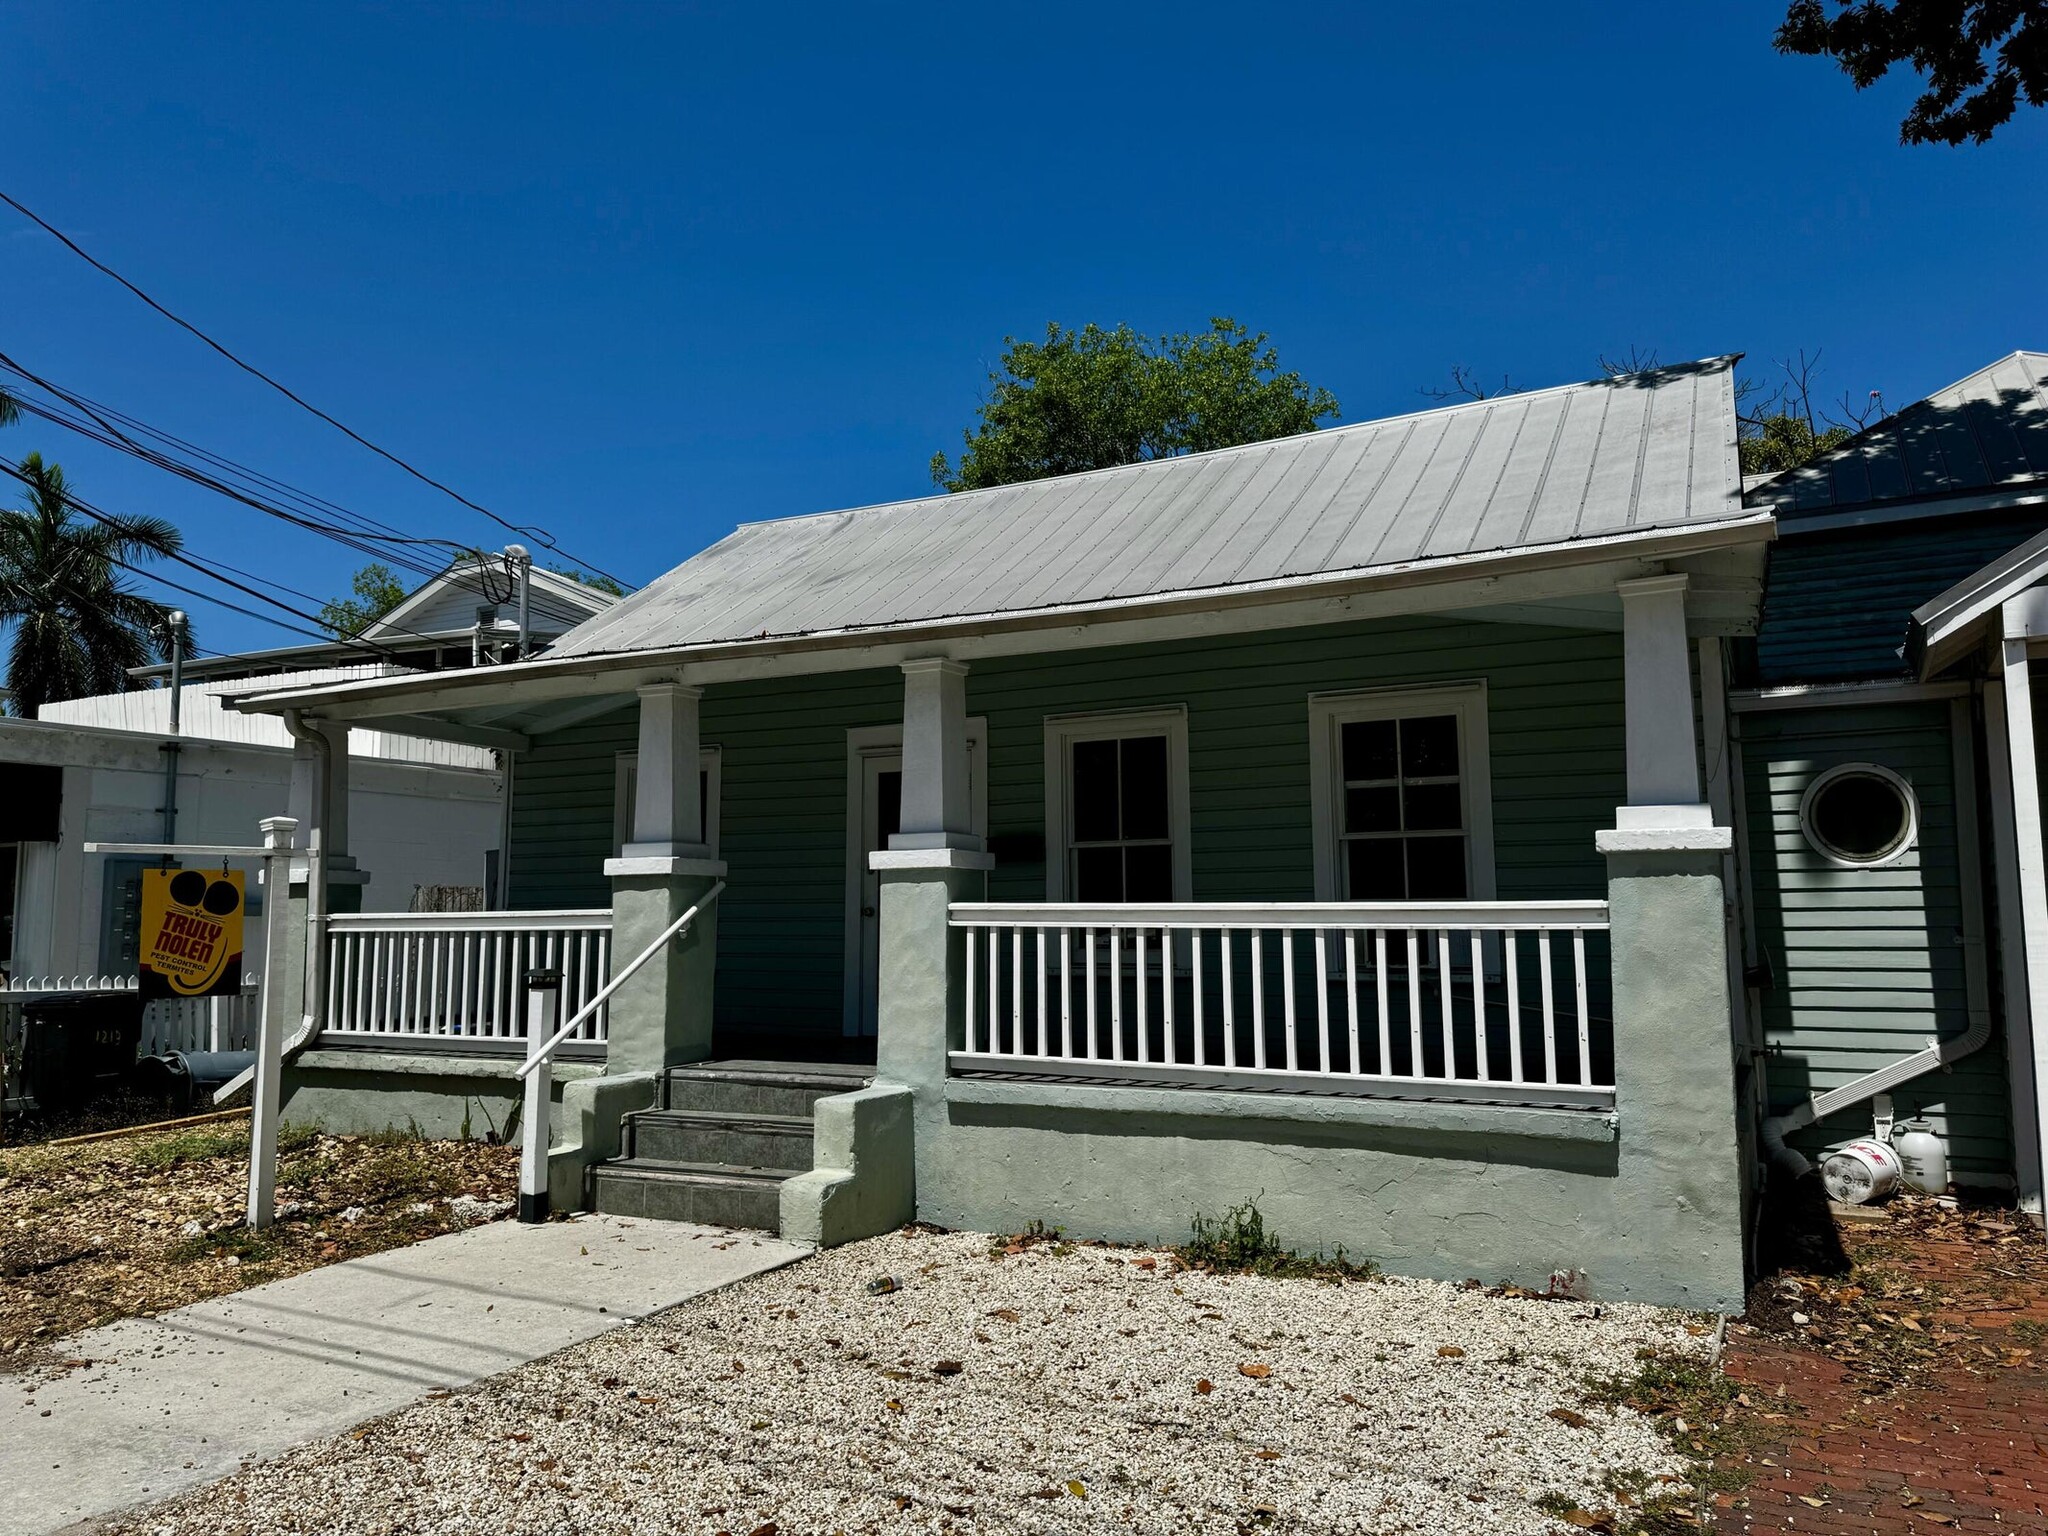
<point x="110" y="769"/>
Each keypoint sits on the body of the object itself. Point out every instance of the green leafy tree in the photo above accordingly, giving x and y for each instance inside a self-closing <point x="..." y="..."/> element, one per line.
<point x="374" y="593"/>
<point x="77" y="627"/>
<point x="1093" y="399"/>
<point x="8" y="410"/>
<point x="1978" y="58"/>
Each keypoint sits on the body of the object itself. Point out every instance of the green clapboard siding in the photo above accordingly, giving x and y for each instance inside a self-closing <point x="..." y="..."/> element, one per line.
<point x="1555" y="721"/>
<point x="1868" y="964"/>
<point x="1836" y="604"/>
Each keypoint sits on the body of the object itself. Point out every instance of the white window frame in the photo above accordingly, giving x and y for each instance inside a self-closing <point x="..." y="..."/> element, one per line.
<point x="1329" y="713"/>
<point x="625" y="780"/>
<point x="1062" y="731"/>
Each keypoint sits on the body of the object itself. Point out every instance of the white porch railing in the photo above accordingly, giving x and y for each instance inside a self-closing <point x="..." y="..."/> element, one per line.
<point x="423" y="978"/>
<point x="1464" y="1000"/>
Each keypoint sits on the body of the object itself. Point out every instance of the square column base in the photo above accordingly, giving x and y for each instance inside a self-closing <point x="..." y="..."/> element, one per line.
<point x="661" y="1016"/>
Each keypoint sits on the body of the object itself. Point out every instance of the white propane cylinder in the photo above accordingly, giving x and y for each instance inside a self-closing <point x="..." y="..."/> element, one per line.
<point x="1923" y="1157"/>
<point x="1861" y="1172"/>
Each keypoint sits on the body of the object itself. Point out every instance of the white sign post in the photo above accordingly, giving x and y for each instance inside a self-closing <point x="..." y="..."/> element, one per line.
<point x="265" y="1092"/>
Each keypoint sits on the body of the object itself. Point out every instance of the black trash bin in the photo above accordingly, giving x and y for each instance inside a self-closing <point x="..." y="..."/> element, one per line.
<point x="77" y="1045"/>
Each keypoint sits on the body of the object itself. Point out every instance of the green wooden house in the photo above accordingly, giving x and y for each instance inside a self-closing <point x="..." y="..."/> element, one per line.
<point x="1342" y="822"/>
<point x="1890" y="869"/>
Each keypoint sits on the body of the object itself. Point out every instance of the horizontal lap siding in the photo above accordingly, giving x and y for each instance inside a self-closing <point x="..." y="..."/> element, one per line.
<point x="1868" y="965"/>
<point x="1555" y="721"/>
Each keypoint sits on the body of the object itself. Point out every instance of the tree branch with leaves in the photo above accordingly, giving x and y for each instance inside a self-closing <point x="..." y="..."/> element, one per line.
<point x="77" y="626"/>
<point x="1094" y="399"/>
<point x="1978" y="58"/>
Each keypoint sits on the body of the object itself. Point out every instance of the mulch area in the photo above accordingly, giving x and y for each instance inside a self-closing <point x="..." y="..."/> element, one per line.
<point x="139" y="1224"/>
<point x="1895" y="1373"/>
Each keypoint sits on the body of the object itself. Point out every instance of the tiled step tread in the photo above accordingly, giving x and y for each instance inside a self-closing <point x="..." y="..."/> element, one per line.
<point x="770" y="1075"/>
<point x="703" y="1173"/>
<point x="758" y="1121"/>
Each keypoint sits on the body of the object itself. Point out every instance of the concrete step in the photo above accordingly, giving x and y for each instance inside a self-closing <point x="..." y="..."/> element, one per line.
<point x="760" y="1087"/>
<point x="719" y="1136"/>
<point x="711" y="1194"/>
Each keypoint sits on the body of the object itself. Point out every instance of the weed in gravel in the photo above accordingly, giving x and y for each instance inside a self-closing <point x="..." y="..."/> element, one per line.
<point x="192" y="1146"/>
<point x="1037" y="1235"/>
<point x="1238" y="1242"/>
<point x="242" y="1243"/>
<point x="1701" y="1412"/>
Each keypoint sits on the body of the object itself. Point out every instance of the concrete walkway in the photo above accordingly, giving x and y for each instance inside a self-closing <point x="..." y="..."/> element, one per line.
<point x="174" y="1401"/>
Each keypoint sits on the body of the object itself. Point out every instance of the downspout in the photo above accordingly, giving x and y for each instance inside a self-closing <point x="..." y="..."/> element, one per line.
<point x="172" y="748"/>
<point x="316" y="905"/>
<point x="316" y="880"/>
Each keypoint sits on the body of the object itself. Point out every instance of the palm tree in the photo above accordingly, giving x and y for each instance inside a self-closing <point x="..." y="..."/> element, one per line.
<point x="77" y="627"/>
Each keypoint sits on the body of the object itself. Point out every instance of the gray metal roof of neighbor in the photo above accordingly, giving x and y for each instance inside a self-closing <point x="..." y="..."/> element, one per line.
<point x="1642" y="452"/>
<point x="1983" y="433"/>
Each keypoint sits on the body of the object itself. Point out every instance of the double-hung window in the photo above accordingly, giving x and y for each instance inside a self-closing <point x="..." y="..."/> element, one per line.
<point x="1402" y="796"/>
<point x="1117" y="807"/>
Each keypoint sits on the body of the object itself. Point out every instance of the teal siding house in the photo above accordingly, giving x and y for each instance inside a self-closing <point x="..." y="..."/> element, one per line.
<point x="1346" y="822"/>
<point x="1888" y="808"/>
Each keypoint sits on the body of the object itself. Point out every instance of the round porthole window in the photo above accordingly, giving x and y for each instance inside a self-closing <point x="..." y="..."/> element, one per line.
<point x="1860" y="815"/>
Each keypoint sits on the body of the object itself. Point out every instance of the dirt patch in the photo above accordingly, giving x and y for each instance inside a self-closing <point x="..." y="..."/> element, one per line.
<point x="143" y="1223"/>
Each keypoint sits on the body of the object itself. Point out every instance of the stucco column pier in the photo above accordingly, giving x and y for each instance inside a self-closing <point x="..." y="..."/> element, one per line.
<point x="662" y="1016"/>
<point x="1679" y="1174"/>
<point x="319" y="804"/>
<point x="933" y="861"/>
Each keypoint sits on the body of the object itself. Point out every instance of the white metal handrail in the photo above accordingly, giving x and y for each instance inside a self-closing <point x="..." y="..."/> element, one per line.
<point x="415" y="978"/>
<point x="535" y="1137"/>
<point x="534" y="1057"/>
<point x="1482" y="999"/>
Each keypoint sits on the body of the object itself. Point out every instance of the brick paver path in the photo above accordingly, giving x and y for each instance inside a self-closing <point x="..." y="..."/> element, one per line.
<point x="1953" y="1437"/>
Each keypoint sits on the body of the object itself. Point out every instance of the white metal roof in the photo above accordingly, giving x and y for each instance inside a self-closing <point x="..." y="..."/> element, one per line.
<point x="1641" y="452"/>
<point x="1988" y="431"/>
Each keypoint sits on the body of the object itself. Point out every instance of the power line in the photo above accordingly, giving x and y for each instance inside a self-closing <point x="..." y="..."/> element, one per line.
<point x="86" y="509"/>
<point x="99" y="428"/>
<point x="539" y="535"/>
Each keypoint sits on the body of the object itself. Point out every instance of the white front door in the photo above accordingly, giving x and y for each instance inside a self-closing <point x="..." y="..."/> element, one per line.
<point x="881" y="813"/>
<point x="874" y="805"/>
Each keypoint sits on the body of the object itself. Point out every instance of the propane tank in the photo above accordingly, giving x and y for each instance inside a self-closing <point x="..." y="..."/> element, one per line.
<point x="1861" y="1172"/>
<point x="1923" y="1157"/>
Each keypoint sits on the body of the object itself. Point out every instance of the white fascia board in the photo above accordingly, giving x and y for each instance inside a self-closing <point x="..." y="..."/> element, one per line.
<point x="1447" y="585"/>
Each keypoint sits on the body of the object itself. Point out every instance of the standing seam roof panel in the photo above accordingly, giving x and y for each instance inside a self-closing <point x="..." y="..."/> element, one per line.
<point x="1576" y="462"/>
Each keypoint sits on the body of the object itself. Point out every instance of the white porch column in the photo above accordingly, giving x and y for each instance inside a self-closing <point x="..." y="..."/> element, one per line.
<point x="936" y="808"/>
<point x="2026" y="992"/>
<point x="662" y="1015"/>
<point x="1663" y="746"/>
<point x="668" y="815"/>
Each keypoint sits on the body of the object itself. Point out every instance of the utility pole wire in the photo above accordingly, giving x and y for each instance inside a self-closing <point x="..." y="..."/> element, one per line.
<point x="538" y="535"/>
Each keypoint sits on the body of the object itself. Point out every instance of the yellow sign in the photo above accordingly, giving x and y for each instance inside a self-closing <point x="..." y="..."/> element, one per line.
<point x="191" y="932"/>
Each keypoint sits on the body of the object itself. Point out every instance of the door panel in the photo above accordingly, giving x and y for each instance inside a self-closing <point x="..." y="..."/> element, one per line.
<point x="881" y="816"/>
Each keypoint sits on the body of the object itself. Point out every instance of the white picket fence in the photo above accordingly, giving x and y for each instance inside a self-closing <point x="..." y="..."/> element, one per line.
<point x="168" y="1024"/>
<point x="1461" y="1000"/>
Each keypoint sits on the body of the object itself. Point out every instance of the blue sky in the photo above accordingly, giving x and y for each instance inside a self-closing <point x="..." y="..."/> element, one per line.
<point x="637" y="273"/>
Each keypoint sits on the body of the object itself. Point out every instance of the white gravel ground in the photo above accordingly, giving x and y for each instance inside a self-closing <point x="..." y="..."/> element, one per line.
<point x="1038" y="1392"/>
